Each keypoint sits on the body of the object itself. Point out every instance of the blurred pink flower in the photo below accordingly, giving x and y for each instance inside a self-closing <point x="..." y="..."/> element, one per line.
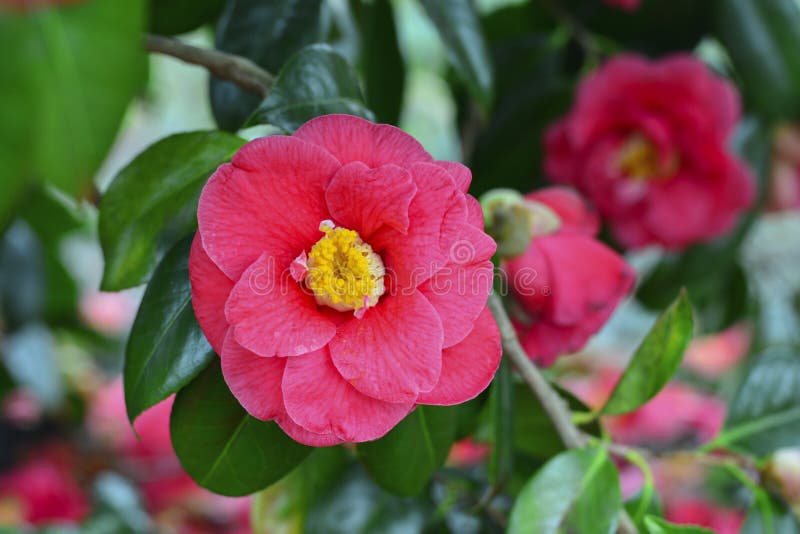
<point x="626" y="5"/>
<point x="22" y="407"/>
<point x="108" y="313"/>
<point x="696" y="511"/>
<point x="647" y="142"/>
<point x="467" y="452"/>
<point x="41" y="492"/>
<point x="567" y="283"/>
<point x="713" y="355"/>
<point x="341" y="273"/>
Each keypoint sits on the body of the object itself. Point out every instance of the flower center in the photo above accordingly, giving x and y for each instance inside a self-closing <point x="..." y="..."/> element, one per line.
<point x="343" y="271"/>
<point x="639" y="160"/>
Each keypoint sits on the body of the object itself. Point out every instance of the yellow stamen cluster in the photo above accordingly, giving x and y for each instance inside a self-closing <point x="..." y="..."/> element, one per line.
<point x="639" y="160"/>
<point x="343" y="271"/>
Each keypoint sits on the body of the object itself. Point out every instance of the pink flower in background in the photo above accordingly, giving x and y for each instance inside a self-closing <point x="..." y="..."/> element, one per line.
<point x="647" y="143"/>
<point x="626" y="5"/>
<point x="108" y="313"/>
<point x="713" y="355"/>
<point x="696" y="511"/>
<point x="342" y="275"/>
<point x="40" y="492"/>
<point x="468" y="452"/>
<point x="566" y="283"/>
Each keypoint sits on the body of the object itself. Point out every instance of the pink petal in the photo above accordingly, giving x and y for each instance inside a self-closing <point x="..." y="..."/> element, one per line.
<point x="363" y="199"/>
<point x="575" y="213"/>
<point x="272" y="315"/>
<point x="474" y="212"/>
<point x="468" y="367"/>
<point x="587" y="277"/>
<point x="460" y="173"/>
<point x="210" y="290"/>
<point x="529" y="278"/>
<point x="301" y="435"/>
<point x="319" y="400"/>
<point x="270" y="198"/>
<point x="437" y="215"/>
<point x="253" y="380"/>
<point x="350" y="138"/>
<point x="394" y="352"/>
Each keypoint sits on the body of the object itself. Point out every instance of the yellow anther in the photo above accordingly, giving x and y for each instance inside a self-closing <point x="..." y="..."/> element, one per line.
<point x="639" y="160"/>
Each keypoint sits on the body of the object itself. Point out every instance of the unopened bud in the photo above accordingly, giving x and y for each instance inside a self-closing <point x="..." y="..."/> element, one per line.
<point x="782" y="473"/>
<point x="513" y="221"/>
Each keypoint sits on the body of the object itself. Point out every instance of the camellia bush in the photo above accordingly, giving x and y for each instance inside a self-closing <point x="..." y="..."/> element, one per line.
<point x="400" y="266"/>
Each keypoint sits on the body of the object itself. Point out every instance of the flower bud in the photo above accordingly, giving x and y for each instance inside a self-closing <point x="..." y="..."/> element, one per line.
<point x="513" y="220"/>
<point x="782" y="473"/>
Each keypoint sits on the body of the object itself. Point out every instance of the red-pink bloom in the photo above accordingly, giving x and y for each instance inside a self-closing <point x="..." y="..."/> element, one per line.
<point x="342" y="275"/>
<point x="43" y="492"/>
<point x="713" y="355"/>
<point x="626" y="5"/>
<point x="566" y="283"/>
<point x="646" y="141"/>
<point x="468" y="452"/>
<point x="696" y="511"/>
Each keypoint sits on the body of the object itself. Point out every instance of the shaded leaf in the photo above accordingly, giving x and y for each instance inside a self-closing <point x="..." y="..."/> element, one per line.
<point x="765" y="412"/>
<point x="421" y="440"/>
<point x="152" y="202"/>
<point x="171" y="17"/>
<point x="459" y="28"/>
<point x="656" y="525"/>
<point x="166" y="347"/>
<point x="223" y="448"/>
<point x="266" y="32"/>
<point x="315" y="81"/>
<point x="578" y="489"/>
<point x="655" y="360"/>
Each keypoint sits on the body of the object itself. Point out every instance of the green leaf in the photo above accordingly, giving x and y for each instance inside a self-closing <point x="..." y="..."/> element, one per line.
<point x="223" y="448"/>
<point x="315" y="81"/>
<point x="403" y="460"/>
<point x="776" y="514"/>
<point x="152" y="202"/>
<point x="656" y="525"/>
<point x="267" y="33"/>
<point x="65" y="88"/>
<point x="578" y="489"/>
<point x="656" y="359"/>
<point x="503" y="414"/>
<point x="383" y="66"/>
<point x="765" y="412"/>
<point x="467" y="51"/>
<point x="166" y="348"/>
<point x="762" y="40"/>
<point x="171" y="17"/>
<point x="534" y="432"/>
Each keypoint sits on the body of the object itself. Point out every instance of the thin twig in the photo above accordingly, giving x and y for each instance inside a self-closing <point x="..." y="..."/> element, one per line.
<point x="556" y="407"/>
<point x="236" y="69"/>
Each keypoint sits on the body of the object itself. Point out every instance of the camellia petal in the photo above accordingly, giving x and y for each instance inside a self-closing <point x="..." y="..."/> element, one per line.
<point x="254" y="381"/>
<point x="272" y="315"/>
<point x="321" y="401"/>
<point x="464" y="376"/>
<point x="210" y="290"/>
<point x="390" y="363"/>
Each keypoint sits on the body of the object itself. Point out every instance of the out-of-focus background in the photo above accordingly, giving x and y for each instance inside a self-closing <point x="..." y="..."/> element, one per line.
<point x="71" y="462"/>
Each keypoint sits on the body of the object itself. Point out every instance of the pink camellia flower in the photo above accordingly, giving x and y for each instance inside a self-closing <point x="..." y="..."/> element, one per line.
<point x="712" y="356"/>
<point x="566" y="283"/>
<point x="342" y="276"/>
<point x="646" y="141"/>
<point x="700" y="512"/>
<point x="41" y="492"/>
<point x="626" y="5"/>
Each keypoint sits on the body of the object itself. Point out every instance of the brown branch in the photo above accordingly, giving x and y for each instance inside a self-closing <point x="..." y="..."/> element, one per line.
<point x="236" y="69"/>
<point x="556" y="407"/>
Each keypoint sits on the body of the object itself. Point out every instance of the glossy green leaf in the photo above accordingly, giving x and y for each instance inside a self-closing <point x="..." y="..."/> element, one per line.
<point x="65" y="88"/>
<point x="171" y="17"/>
<point x="656" y="525"/>
<point x="266" y="32"/>
<point x="578" y="490"/>
<point x="459" y="28"/>
<point x="765" y="412"/>
<point x="655" y="360"/>
<point x="152" y="202"/>
<point x="762" y="40"/>
<point x="166" y="348"/>
<point x="421" y="440"/>
<point x="315" y="81"/>
<point x="382" y="63"/>
<point x="222" y="447"/>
